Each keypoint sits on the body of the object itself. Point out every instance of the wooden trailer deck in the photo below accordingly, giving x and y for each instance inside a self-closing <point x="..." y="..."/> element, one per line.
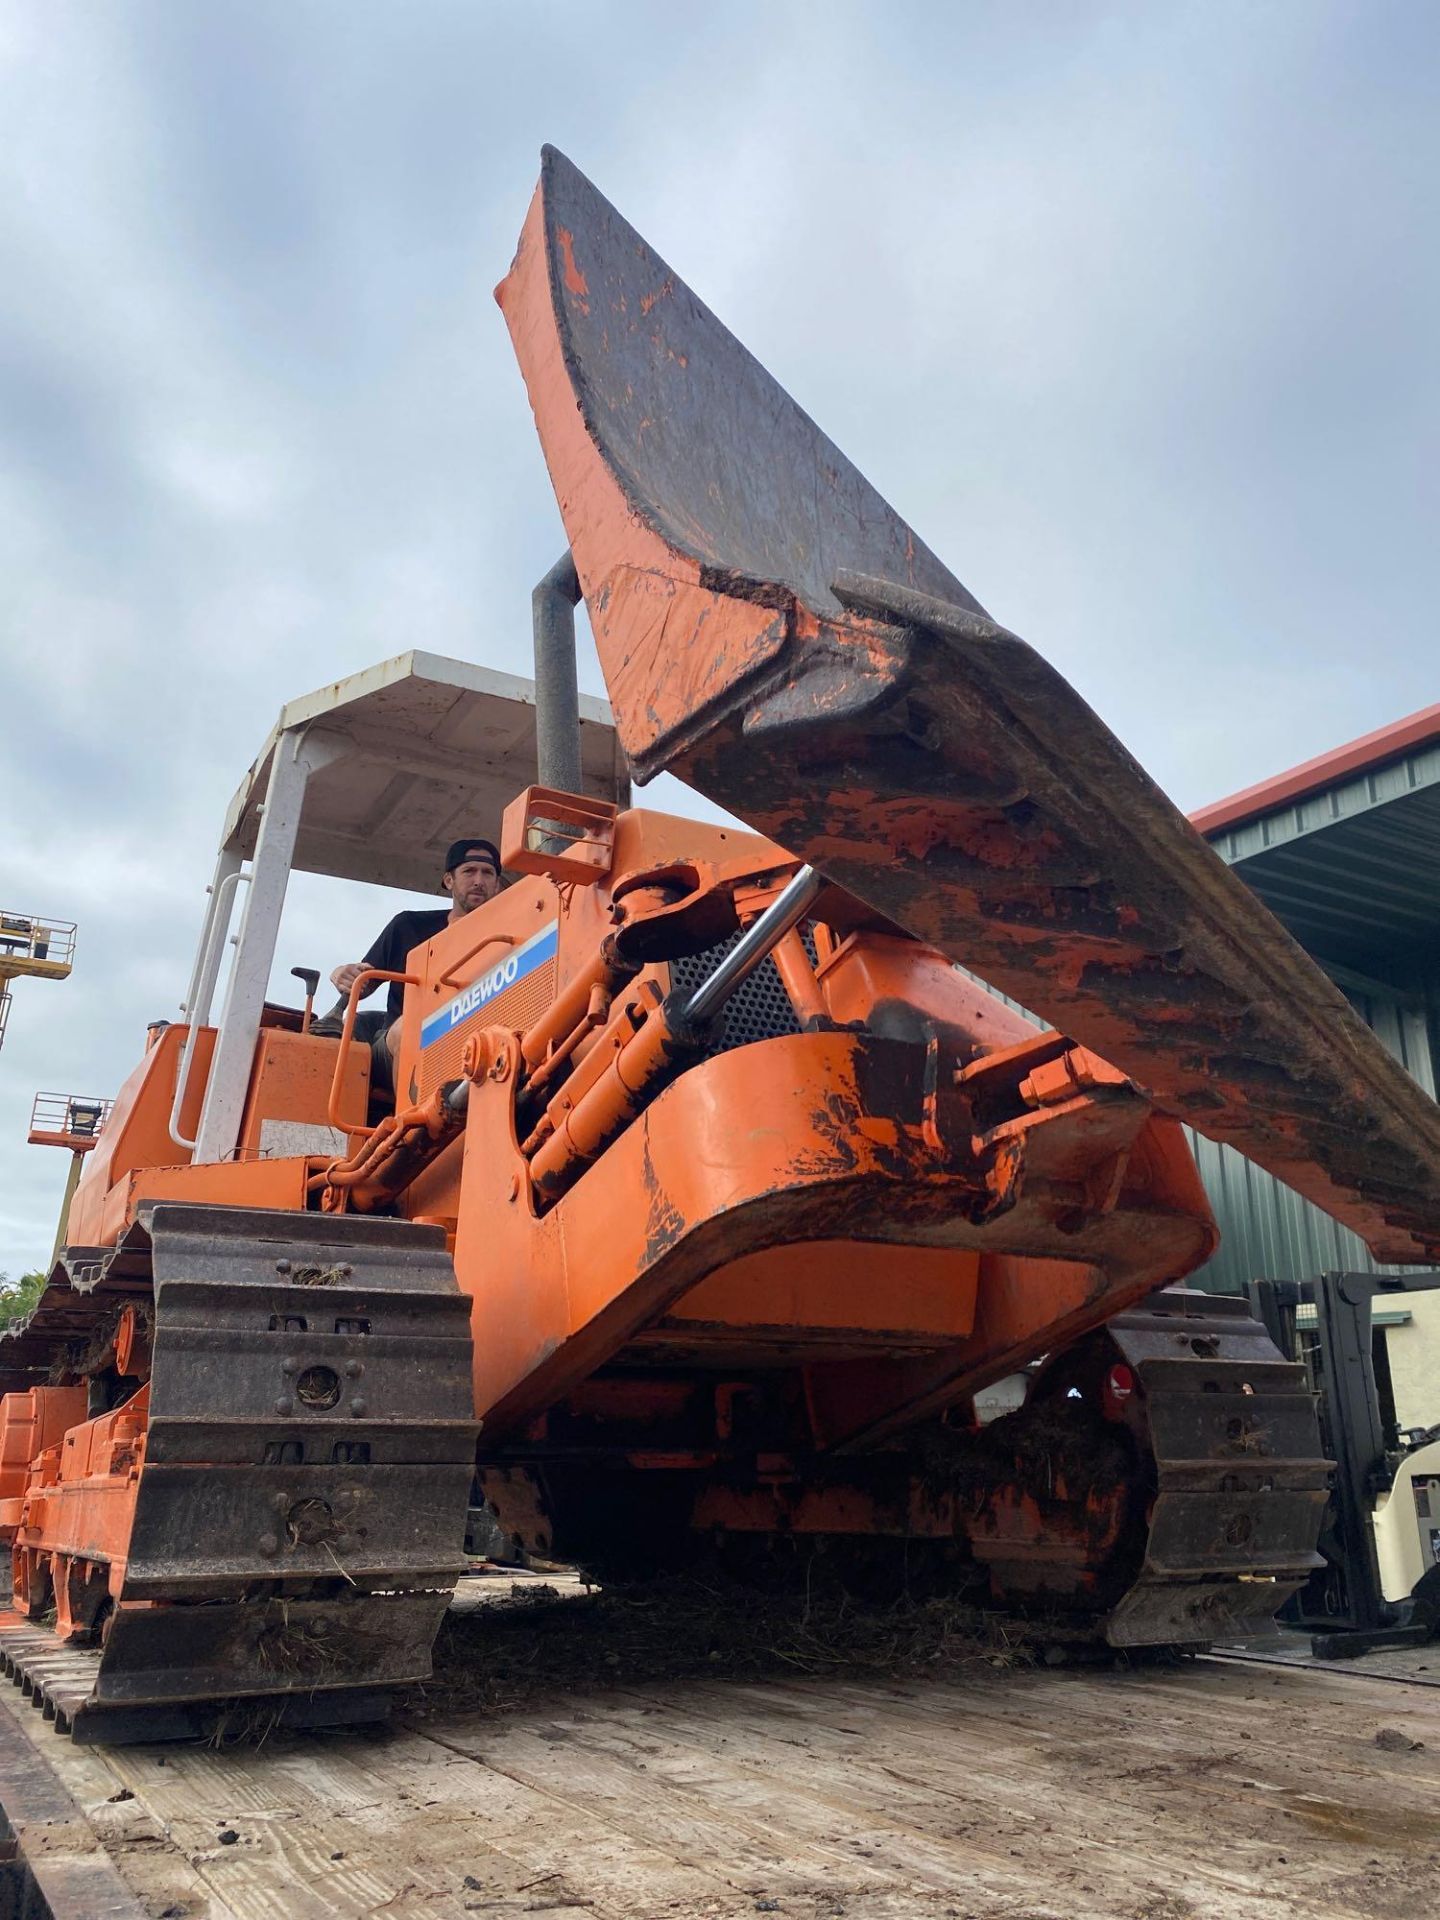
<point x="1215" y="1789"/>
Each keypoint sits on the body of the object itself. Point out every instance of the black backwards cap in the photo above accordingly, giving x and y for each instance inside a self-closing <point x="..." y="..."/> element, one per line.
<point x="462" y="850"/>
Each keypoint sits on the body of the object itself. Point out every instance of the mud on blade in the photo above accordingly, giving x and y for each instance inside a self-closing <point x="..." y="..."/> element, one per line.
<point x="773" y="632"/>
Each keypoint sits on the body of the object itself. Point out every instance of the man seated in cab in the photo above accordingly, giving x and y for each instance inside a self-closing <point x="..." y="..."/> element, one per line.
<point x="471" y="877"/>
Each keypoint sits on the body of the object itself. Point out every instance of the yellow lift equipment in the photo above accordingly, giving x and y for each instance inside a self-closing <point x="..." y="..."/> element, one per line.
<point x="67" y="1120"/>
<point x="44" y="949"/>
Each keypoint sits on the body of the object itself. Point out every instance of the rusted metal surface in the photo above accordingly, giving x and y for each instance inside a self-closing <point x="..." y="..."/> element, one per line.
<point x="1165" y="1478"/>
<point x="603" y="1178"/>
<point x="669" y="1214"/>
<point x="60" y="1683"/>
<point x="1240" y="1477"/>
<point x="774" y="633"/>
<point x="1163" y="1484"/>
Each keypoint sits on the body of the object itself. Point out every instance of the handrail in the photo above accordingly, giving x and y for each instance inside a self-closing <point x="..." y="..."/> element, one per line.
<point x="34" y="937"/>
<point x="447" y="979"/>
<point x="347" y="1035"/>
<point x="196" y="1016"/>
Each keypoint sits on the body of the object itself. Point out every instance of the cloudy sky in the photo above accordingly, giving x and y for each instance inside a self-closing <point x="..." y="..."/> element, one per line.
<point x="1131" y="310"/>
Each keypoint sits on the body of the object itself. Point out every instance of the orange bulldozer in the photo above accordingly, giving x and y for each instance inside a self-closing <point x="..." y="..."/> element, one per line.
<point x="716" y="1185"/>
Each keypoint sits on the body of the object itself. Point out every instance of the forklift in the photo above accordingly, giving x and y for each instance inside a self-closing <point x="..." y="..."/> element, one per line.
<point x="1379" y="1586"/>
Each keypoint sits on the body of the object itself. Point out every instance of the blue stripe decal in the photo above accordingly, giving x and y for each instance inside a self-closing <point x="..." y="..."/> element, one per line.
<point x="519" y="962"/>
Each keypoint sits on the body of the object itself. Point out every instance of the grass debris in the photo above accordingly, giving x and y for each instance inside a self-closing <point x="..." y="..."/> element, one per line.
<point x="537" y="1643"/>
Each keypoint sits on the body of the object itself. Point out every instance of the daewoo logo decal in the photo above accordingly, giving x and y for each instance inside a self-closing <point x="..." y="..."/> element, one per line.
<point x="519" y="962"/>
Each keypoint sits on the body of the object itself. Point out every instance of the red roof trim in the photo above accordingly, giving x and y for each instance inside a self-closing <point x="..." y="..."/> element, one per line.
<point x="1341" y="763"/>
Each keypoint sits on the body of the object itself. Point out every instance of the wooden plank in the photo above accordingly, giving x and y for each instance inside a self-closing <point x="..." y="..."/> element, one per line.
<point x="1171" y="1751"/>
<point x="60" y="1834"/>
<point x="541" y="1833"/>
<point x="883" y="1805"/>
<point x="302" y="1844"/>
<point x="900" y="1792"/>
<point x="1215" y="1791"/>
<point x="410" y="1821"/>
<point x="660" y="1795"/>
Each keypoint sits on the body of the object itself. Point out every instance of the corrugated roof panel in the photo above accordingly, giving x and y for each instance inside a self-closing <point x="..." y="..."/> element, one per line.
<point x="1363" y="885"/>
<point x="1382" y="748"/>
<point x="1346" y="800"/>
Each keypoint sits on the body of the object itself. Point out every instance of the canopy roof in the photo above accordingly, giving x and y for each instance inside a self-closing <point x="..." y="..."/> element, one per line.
<point x="1345" y="849"/>
<point x="430" y="749"/>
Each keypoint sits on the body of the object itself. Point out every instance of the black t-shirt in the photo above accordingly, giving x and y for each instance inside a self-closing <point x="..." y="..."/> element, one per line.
<point x="389" y="949"/>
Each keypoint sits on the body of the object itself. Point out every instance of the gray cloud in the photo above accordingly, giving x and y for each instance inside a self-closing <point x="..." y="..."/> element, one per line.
<point x="1130" y="309"/>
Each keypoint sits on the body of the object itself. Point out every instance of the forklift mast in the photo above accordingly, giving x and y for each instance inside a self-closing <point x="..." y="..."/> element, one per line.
<point x="1359" y="1429"/>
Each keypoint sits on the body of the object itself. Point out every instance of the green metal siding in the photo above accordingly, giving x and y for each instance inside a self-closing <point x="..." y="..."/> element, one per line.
<point x="1353" y="870"/>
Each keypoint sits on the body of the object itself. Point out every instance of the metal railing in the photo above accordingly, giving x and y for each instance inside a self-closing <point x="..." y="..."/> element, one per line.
<point x="67" y="1118"/>
<point x="202" y="986"/>
<point x="29" y="936"/>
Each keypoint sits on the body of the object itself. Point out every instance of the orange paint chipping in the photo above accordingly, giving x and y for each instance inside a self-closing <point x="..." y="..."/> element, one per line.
<point x="575" y="280"/>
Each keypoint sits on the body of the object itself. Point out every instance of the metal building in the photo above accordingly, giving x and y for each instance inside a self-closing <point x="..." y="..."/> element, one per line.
<point x="1345" y="850"/>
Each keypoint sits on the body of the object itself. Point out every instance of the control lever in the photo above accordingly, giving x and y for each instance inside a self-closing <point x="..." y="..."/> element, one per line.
<point x="310" y="979"/>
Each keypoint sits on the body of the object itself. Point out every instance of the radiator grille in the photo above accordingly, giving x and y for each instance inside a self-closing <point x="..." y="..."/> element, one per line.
<point x="759" y="1009"/>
